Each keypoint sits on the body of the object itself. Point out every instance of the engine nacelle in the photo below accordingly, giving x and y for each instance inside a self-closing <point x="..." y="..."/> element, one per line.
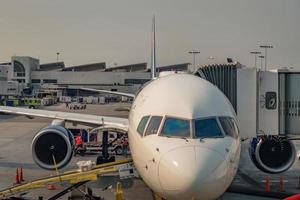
<point x="272" y="154"/>
<point x="52" y="147"/>
<point x="58" y="122"/>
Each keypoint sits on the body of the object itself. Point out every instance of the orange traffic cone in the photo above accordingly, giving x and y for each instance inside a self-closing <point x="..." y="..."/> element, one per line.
<point x="21" y="175"/>
<point x="51" y="187"/>
<point x="267" y="184"/>
<point x="17" y="179"/>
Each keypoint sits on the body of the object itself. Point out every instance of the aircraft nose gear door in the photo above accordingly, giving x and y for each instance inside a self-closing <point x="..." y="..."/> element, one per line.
<point x="152" y="164"/>
<point x="232" y="156"/>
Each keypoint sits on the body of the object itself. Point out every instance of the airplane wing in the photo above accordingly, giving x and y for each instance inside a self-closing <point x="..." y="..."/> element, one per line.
<point x="69" y="117"/>
<point x="109" y="92"/>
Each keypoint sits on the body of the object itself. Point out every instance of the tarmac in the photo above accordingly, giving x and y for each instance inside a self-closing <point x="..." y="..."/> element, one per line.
<point x="16" y="133"/>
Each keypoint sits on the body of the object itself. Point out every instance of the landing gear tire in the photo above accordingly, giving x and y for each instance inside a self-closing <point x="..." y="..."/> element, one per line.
<point x="119" y="150"/>
<point x="81" y="152"/>
<point x="100" y="160"/>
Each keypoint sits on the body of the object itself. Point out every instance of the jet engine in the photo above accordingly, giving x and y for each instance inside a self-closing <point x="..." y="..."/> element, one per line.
<point x="272" y="154"/>
<point x="52" y="147"/>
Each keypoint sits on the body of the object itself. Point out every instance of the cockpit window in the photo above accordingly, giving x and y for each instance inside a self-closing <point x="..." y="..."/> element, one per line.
<point x="153" y="125"/>
<point x="207" y="128"/>
<point x="229" y="126"/>
<point x="176" y="127"/>
<point x="142" y="124"/>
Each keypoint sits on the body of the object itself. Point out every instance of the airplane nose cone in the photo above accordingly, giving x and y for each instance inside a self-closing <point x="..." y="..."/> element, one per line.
<point x="193" y="171"/>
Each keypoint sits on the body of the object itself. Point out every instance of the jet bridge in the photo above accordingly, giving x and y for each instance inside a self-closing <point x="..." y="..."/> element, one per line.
<point x="266" y="102"/>
<point x="289" y="102"/>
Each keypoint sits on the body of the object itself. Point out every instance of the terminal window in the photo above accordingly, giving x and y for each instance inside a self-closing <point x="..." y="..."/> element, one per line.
<point x="50" y="81"/>
<point x="35" y="81"/>
<point x="136" y="81"/>
<point x="19" y="69"/>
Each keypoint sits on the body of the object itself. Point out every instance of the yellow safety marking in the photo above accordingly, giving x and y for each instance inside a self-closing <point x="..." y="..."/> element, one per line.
<point x="55" y="165"/>
<point x="119" y="192"/>
<point x="73" y="177"/>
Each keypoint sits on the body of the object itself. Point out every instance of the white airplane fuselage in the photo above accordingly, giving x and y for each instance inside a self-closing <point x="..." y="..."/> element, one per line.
<point x="183" y="137"/>
<point x="183" y="167"/>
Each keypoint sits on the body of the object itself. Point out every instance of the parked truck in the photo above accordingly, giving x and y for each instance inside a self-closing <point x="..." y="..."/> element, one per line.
<point x="92" y="142"/>
<point x="32" y="102"/>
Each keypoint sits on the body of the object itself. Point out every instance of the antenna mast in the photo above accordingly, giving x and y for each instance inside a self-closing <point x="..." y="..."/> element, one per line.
<point x="153" y="51"/>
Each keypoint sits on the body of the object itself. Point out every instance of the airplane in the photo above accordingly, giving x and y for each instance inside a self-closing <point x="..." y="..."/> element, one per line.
<point x="183" y="136"/>
<point x="178" y="144"/>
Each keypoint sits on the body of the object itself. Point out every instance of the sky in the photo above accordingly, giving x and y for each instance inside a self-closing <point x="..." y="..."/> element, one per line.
<point x="119" y="31"/>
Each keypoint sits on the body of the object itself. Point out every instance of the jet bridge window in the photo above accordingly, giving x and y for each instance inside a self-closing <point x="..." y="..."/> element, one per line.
<point x="271" y="100"/>
<point x="142" y="125"/>
<point x="153" y="125"/>
<point x="176" y="128"/>
<point x="229" y="126"/>
<point x="205" y="128"/>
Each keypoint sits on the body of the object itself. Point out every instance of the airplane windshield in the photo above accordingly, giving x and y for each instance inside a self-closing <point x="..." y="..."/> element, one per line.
<point x="153" y="125"/>
<point x="142" y="125"/>
<point x="229" y="126"/>
<point x="207" y="128"/>
<point x="174" y="127"/>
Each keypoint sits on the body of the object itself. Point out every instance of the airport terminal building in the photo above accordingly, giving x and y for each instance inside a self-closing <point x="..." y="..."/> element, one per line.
<point x="259" y="97"/>
<point x="24" y="71"/>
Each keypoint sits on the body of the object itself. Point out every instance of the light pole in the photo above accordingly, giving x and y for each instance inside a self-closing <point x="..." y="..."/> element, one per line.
<point x="261" y="61"/>
<point x="266" y="47"/>
<point x="255" y="56"/>
<point x="57" y="54"/>
<point x="194" y="57"/>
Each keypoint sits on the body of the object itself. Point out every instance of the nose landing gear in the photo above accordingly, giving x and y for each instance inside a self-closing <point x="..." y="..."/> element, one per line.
<point x="104" y="157"/>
